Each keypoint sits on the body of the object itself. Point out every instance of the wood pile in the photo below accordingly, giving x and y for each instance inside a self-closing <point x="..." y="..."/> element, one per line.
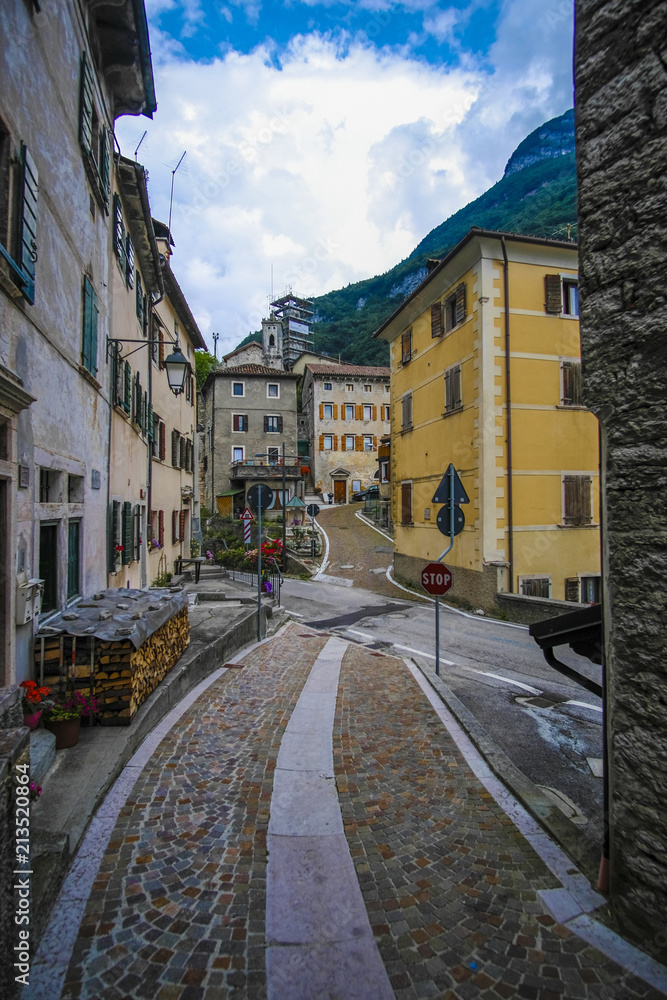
<point x="118" y="675"/>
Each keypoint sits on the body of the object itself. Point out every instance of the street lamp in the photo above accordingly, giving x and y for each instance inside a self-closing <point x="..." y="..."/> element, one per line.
<point x="176" y="365"/>
<point x="282" y="504"/>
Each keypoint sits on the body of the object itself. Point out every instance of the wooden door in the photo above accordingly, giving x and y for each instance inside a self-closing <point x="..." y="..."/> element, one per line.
<point x="340" y="491"/>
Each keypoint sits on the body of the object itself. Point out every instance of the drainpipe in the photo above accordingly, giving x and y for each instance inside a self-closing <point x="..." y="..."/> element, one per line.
<point x="508" y="396"/>
<point x="211" y="442"/>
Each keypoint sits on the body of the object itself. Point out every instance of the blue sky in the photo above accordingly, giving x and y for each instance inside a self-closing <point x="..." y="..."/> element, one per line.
<point x="325" y="139"/>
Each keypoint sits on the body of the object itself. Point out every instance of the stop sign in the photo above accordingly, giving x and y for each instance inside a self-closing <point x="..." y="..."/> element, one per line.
<point x="436" y="579"/>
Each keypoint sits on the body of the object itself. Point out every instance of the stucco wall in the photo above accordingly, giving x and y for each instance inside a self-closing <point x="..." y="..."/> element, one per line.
<point x="621" y="135"/>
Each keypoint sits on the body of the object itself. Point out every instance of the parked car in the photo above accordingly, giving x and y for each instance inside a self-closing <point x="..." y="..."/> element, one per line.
<point x="370" y="493"/>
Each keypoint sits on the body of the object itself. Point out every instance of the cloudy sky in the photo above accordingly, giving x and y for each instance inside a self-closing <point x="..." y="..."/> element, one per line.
<point x="325" y="138"/>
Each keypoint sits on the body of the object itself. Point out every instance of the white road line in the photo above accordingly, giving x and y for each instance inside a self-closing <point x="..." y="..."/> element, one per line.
<point x="420" y="652"/>
<point x="364" y="635"/>
<point x="584" y="704"/>
<point x="448" y="607"/>
<point x="508" y="680"/>
<point x="362" y="518"/>
<point x="326" y="553"/>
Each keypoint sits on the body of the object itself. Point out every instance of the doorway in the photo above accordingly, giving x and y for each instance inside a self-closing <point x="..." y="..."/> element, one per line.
<point x="48" y="565"/>
<point x="340" y="490"/>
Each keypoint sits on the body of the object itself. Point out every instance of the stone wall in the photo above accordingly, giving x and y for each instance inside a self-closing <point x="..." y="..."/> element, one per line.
<point x="621" y="134"/>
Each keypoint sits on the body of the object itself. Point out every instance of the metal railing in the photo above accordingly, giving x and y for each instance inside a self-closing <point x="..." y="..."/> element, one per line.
<point x="273" y="577"/>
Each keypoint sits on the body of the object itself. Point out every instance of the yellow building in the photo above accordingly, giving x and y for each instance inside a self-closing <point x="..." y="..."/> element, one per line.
<point x="524" y="445"/>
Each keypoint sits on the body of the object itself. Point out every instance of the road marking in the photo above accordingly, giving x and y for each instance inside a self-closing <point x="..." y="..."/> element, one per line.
<point x="448" y="607"/>
<point x="508" y="680"/>
<point x="583" y="704"/>
<point x="324" y="562"/>
<point x="420" y="652"/>
<point x="362" y="518"/>
<point x="364" y="635"/>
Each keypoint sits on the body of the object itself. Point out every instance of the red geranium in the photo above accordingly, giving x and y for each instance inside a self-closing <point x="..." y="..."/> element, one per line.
<point x="32" y="696"/>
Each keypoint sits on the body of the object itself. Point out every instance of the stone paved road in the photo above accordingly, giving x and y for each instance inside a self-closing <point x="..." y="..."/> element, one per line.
<point x="177" y="910"/>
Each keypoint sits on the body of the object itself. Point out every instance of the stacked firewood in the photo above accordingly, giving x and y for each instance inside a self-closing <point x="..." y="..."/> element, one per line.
<point x="122" y="676"/>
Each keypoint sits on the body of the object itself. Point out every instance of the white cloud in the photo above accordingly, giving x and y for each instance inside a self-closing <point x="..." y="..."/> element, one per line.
<point x="331" y="167"/>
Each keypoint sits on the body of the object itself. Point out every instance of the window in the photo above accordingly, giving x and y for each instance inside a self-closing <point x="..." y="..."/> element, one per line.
<point x="406" y="347"/>
<point x="119" y="235"/>
<point x="384" y="470"/>
<point x="238" y="388"/>
<point x="386" y="414"/>
<point x="577" y="500"/>
<point x="571" y="388"/>
<point x="19" y="191"/>
<point x="368" y="388"/>
<point x="239" y="422"/>
<point x="48" y="565"/>
<point x="273" y="425"/>
<point x="74" y="489"/>
<point x="535" y="586"/>
<point x="455" y="307"/>
<point x="73" y="559"/>
<point x="349" y="411"/>
<point x="328" y="411"/>
<point x="387" y="388"/>
<point x="327" y="442"/>
<point x="140" y="303"/>
<point x="368" y="442"/>
<point x="126" y="533"/>
<point x="49" y="486"/>
<point x="237" y="454"/>
<point x="272" y="390"/>
<point x="94" y="140"/>
<point x="453" y="389"/>
<point x="406" y="412"/>
<point x="561" y="293"/>
<point x="348" y="443"/>
<point x="406" y="503"/>
<point x="368" y="412"/>
<point x="590" y="590"/>
<point x="273" y="455"/>
<point x="129" y="261"/>
<point x="349" y="387"/>
<point x="328" y="386"/>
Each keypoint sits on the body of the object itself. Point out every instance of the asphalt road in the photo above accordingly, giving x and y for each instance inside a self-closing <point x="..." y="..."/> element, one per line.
<point x="549" y="726"/>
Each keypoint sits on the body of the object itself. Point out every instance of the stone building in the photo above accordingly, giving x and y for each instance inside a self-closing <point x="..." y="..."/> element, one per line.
<point x="67" y="71"/>
<point x="248" y="414"/>
<point x="621" y="136"/>
<point x="345" y="411"/>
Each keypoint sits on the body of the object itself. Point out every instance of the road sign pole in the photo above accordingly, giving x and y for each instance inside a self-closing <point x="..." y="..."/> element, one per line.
<point x="437" y="636"/>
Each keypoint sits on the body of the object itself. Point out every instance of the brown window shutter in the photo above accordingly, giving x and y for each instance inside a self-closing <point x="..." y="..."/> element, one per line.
<point x="569" y="504"/>
<point x="161" y="528"/>
<point x="181" y="452"/>
<point x="406" y="347"/>
<point x="375" y="412"/>
<point x="375" y="443"/>
<point x="572" y="588"/>
<point x="321" y="412"/>
<point x="181" y="526"/>
<point x="553" y="293"/>
<point x="460" y="303"/>
<point x="335" y="411"/>
<point x="585" y="500"/>
<point x="161" y="354"/>
<point x="437" y="325"/>
<point x="358" y="412"/>
<point x="406" y="503"/>
<point x="163" y="441"/>
<point x="343" y="443"/>
<point x="174" y="448"/>
<point x="359" y="442"/>
<point x="321" y="442"/>
<point x="174" y="526"/>
<point x="335" y="442"/>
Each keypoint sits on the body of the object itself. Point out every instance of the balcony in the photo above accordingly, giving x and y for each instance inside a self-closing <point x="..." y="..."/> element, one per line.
<point x="263" y="471"/>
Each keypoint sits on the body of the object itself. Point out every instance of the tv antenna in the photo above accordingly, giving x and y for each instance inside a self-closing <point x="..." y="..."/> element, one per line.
<point x="140" y="142"/>
<point x="215" y="345"/>
<point x="171" y="198"/>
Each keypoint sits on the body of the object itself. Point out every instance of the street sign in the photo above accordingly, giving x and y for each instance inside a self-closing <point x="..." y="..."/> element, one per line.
<point x="450" y="488"/>
<point x="443" y="520"/>
<point x="436" y="579"/>
<point x="247" y="515"/>
<point x="312" y="509"/>
<point x="260" y="496"/>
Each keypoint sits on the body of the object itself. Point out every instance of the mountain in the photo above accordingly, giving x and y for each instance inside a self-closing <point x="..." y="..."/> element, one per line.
<point x="537" y="196"/>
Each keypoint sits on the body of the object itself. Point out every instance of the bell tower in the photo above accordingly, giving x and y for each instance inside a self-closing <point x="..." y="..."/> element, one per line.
<point x="272" y="341"/>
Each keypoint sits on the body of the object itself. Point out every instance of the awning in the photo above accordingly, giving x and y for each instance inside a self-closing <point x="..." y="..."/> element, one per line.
<point x="229" y="493"/>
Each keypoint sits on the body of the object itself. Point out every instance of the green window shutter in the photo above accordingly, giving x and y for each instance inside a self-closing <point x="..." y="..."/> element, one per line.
<point x="90" y="313"/>
<point x="127" y="395"/>
<point x="117" y="375"/>
<point x="28" y="222"/>
<point x="119" y="231"/>
<point x="105" y="171"/>
<point x="144" y="318"/>
<point x="86" y="105"/>
<point x="114" y="534"/>
<point x="137" y="400"/>
<point x="151" y="431"/>
<point x="127" y="533"/>
<point x="139" y="300"/>
<point x="129" y="261"/>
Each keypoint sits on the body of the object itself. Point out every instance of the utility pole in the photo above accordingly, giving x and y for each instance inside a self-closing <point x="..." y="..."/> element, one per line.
<point x="215" y="345"/>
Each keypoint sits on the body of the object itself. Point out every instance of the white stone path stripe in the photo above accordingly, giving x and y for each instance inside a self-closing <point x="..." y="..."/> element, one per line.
<point x="319" y="939"/>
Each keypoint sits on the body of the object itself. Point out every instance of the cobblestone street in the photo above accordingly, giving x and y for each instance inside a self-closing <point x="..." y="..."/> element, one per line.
<point x="450" y="886"/>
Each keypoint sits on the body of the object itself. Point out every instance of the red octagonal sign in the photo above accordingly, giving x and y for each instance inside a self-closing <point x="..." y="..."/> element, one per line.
<point x="436" y="579"/>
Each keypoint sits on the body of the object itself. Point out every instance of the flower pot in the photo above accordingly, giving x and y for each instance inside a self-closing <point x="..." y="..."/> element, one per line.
<point x="32" y="720"/>
<point x="66" y="731"/>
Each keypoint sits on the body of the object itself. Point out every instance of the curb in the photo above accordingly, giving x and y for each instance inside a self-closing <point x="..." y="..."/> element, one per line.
<point x="583" y="851"/>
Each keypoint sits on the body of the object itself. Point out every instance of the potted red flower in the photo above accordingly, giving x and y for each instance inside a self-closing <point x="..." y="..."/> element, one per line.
<point x="32" y="703"/>
<point x="63" y="718"/>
